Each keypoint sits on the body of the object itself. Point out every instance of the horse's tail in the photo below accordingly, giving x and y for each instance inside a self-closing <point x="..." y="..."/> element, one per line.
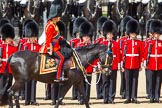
<point x="3" y="92"/>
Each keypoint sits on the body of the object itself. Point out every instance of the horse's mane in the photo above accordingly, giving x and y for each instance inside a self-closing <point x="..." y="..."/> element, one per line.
<point x="88" y="47"/>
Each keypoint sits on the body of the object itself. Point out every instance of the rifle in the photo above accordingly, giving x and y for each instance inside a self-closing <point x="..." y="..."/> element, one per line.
<point x="125" y="52"/>
<point x="148" y="55"/>
<point x="121" y="42"/>
<point x="1" y="56"/>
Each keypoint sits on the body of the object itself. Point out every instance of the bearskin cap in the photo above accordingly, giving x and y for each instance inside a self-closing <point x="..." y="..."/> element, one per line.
<point x="132" y="27"/>
<point x="109" y="26"/>
<point x="155" y="26"/>
<point x="4" y="21"/>
<point x="86" y="29"/>
<point x="62" y="28"/>
<point x="147" y="27"/>
<point x="7" y="31"/>
<point x="123" y="24"/>
<point x="77" y="22"/>
<point x="56" y="9"/>
<point x="24" y="24"/>
<point x="100" y="22"/>
<point x="31" y="29"/>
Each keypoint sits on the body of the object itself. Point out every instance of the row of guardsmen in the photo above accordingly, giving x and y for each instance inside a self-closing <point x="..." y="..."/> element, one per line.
<point x="129" y="55"/>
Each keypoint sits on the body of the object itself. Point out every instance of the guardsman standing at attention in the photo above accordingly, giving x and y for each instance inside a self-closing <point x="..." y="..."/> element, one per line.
<point x="74" y="43"/>
<point x="145" y="42"/>
<point x="32" y="32"/>
<point x="86" y="33"/>
<point x="153" y="61"/>
<point x="121" y="41"/>
<point x="132" y="55"/>
<point x="7" y="48"/>
<point x="20" y="45"/>
<point x="109" y="31"/>
<point x="100" y="39"/>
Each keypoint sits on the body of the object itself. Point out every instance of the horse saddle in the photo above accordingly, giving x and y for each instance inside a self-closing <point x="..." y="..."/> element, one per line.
<point x="49" y="65"/>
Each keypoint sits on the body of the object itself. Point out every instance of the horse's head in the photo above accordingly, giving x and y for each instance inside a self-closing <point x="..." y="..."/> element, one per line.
<point x="122" y="7"/>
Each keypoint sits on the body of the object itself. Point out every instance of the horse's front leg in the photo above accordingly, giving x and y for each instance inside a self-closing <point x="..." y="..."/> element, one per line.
<point x="10" y="102"/>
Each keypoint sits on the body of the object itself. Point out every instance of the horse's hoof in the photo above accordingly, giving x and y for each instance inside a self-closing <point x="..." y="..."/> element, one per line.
<point x="35" y="103"/>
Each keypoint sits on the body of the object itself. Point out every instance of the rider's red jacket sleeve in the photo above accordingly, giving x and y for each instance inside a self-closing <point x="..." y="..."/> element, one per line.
<point x="51" y="32"/>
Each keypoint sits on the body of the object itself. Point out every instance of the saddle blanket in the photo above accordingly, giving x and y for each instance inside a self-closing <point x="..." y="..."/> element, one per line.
<point x="49" y="65"/>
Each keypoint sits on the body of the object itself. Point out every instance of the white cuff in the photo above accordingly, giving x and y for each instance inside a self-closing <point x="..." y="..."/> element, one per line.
<point x="144" y="63"/>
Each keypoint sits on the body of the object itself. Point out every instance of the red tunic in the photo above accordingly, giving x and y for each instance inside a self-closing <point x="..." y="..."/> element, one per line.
<point x="116" y="54"/>
<point x="7" y="50"/>
<point x="75" y="42"/>
<point x="120" y="43"/>
<point x="21" y="42"/>
<point x="31" y="46"/>
<point x="134" y="54"/>
<point x="155" y="60"/>
<point x="51" y="32"/>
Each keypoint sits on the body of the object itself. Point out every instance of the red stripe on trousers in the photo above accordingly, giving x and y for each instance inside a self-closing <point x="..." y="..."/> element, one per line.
<point x="59" y="69"/>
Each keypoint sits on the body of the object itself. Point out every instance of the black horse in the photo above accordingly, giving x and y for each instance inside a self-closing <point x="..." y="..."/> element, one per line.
<point x="25" y="65"/>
